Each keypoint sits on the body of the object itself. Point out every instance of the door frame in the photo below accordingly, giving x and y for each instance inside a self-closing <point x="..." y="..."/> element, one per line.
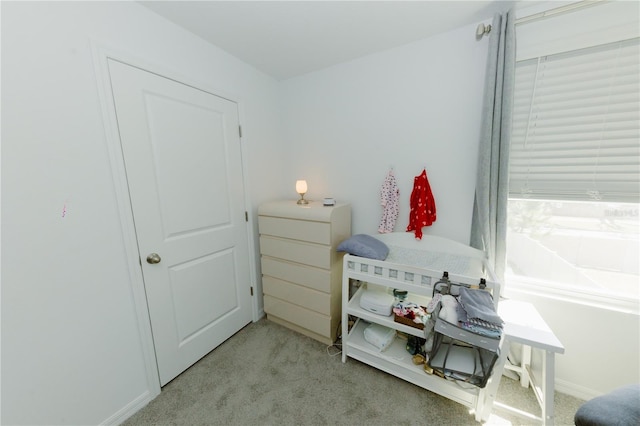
<point x="101" y="54"/>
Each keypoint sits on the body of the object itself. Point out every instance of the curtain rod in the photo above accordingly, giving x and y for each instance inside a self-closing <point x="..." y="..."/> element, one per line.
<point x="483" y="29"/>
<point x="559" y="10"/>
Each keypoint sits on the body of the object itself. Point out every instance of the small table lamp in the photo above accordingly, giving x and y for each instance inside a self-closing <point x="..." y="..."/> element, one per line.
<point x="301" y="188"/>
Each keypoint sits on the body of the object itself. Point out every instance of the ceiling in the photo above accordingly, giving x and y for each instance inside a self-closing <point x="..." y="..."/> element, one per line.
<point x="289" y="38"/>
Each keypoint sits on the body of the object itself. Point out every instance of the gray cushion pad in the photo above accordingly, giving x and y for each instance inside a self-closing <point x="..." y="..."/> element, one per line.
<point x="365" y="246"/>
<point x="620" y="407"/>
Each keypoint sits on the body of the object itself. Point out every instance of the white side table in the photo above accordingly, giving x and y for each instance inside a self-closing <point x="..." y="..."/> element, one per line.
<point x="524" y="325"/>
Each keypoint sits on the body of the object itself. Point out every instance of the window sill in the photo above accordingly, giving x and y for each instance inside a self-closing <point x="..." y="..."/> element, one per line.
<point x="529" y="286"/>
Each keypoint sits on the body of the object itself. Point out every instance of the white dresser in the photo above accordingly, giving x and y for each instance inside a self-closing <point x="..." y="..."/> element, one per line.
<point x="301" y="270"/>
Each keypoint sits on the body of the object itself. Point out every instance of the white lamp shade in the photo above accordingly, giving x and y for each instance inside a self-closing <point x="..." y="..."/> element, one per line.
<point x="301" y="186"/>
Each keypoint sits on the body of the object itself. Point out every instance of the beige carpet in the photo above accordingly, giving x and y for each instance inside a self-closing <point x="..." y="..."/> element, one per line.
<point x="269" y="375"/>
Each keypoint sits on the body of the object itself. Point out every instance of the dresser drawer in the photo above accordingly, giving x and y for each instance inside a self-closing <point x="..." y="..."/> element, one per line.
<point x="303" y="230"/>
<point x="296" y="251"/>
<point x="317" y="323"/>
<point x="315" y="278"/>
<point x="298" y="295"/>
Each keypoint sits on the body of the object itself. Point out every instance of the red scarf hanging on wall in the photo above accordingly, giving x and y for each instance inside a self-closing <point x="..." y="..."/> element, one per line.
<point x="423" y="206"/>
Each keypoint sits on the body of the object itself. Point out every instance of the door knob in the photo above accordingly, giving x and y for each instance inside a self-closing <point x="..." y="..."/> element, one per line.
<point x="153" y="258"/>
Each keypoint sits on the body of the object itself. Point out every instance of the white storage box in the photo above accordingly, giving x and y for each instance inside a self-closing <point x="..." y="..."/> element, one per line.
<point x="377" y="301"/>
<point x="379" y="336"/>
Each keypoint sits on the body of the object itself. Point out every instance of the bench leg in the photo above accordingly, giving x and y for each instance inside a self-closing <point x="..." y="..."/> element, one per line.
<point x="548" y="390"/>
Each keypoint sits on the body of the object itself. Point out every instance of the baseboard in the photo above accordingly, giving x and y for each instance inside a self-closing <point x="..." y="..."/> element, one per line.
<point x="129" y="410"/>
<point x="562" y="386"/>
<point x="574" y="390"/>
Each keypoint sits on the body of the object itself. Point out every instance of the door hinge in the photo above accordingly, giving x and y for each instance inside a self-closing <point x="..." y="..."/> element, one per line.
<point x="246" y="216"/>
<point x="240" y="131"/>
<point x="251" y="291"/>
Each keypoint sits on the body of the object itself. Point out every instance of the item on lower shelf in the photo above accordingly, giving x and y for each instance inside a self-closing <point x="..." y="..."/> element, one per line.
<point x="454" y="359"/>
<point x="379" y="336"/>
<point x="420" y="359"/>
<point x="408" y="321"/>
<point x="415" y="345"/>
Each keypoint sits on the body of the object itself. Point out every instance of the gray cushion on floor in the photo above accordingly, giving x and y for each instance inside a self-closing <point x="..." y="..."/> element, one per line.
<point x="620" y="407"/>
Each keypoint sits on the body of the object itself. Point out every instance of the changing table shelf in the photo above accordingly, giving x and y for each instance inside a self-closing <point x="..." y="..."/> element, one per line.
<point x="387" y="321"/>
<point x="397" y="361"/>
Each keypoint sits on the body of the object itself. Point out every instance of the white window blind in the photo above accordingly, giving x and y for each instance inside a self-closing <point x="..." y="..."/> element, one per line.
<point x="576" y="125"/>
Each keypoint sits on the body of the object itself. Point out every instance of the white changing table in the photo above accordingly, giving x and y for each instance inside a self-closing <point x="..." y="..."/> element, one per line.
<point x="415" y="266"/>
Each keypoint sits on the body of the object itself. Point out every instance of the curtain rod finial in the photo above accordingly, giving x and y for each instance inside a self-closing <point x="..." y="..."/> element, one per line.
<point x="482" y="30"/>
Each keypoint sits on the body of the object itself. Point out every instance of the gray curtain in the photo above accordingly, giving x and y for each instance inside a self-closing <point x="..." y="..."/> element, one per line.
<point x="489" y="223"/>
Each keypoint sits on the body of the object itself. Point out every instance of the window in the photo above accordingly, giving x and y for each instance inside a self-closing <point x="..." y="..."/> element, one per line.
<point x="575" y="248"/>
<point x="574" y="212"/>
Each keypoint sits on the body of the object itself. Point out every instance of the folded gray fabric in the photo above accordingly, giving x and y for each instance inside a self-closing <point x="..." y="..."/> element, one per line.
<point x="479" y="304"/>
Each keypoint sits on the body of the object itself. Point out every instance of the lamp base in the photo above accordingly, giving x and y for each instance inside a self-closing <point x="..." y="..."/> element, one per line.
<point x="302" y="200"/>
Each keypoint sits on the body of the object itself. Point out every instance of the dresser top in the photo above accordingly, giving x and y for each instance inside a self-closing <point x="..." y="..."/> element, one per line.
<point x="312" y="211"/>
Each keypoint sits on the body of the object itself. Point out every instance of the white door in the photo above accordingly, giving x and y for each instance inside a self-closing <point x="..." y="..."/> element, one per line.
<point x="182" y="157"/>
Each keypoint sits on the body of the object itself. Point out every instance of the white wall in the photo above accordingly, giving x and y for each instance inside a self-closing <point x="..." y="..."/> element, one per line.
<point x="71" y="347"/>
<point x="411" y="107"/>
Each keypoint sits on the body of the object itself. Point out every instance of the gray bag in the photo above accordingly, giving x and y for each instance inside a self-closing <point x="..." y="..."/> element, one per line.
<point x="455" y="353"/>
